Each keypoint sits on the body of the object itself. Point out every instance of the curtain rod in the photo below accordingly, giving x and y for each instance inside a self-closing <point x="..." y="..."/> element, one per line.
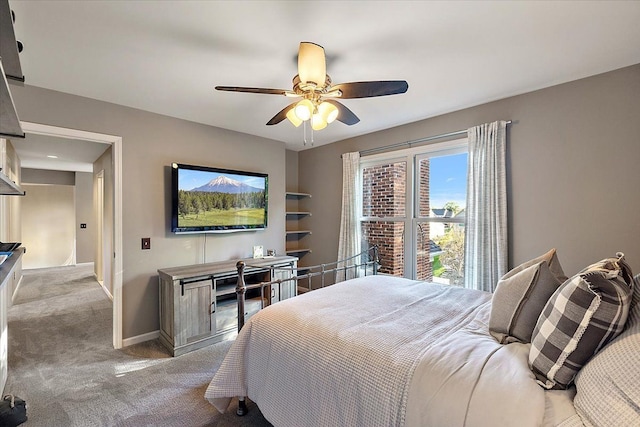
<point x="415" y="141"/>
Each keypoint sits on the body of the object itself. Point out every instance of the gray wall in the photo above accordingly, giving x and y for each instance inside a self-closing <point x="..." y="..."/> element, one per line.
<point x="150" y="143"/>
<point x="573" y="159"/>
<point x="573" y="156"/>
<point x="292" y="171"/>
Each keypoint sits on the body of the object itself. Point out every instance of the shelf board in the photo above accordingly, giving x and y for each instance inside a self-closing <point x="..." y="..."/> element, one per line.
<point x="297" y="251"/>
<point x="225" y="290"/>
<point x="299" y="213"/>
<point x="294" y="194"/>
<point x="292" y="232"/>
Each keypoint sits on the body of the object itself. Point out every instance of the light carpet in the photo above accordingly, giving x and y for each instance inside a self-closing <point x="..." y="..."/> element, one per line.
<point x="62" y="362"/>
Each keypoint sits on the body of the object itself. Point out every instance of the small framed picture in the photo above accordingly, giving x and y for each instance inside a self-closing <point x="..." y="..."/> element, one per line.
<point x="258" y="251"/>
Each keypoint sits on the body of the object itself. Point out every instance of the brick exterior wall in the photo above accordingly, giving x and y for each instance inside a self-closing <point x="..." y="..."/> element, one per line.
<point x="384" y="196"/>
<point x="424" y="270"/>
<point x="383" y="190"/>
<point x="389" y="238"/>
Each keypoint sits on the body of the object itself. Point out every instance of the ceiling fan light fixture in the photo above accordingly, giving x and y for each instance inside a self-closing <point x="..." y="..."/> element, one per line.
<point x="304" y="110"/>
<point x="318" y="122"/>
<point x="320" y="99"/>
<point x="295" y="120"/>
<point x="311" y="64"/>
<point x="328" y="111"/>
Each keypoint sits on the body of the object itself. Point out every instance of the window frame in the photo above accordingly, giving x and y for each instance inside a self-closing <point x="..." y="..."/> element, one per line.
<point x="411" y="219"/>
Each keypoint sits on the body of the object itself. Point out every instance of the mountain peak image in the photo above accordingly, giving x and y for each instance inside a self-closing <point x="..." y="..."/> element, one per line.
<point x="223" y="184"/>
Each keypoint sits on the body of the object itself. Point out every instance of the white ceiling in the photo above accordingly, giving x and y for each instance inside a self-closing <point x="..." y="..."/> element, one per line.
<point x="167" y="56"/>
<point x="37" y="151"/>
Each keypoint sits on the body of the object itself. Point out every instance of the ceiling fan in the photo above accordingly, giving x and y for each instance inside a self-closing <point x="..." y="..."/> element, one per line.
<point x="319" y="97"/>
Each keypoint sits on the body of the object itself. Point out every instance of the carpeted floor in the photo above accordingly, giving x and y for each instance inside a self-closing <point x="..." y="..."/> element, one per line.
<point x="62" y="362"/>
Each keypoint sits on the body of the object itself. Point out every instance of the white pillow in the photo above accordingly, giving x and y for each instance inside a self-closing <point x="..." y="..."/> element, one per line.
<point x="608" y="387"/>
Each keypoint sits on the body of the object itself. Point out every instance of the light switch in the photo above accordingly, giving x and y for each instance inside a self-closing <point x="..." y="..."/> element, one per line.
<point x="146" y="243"/>
<point x="83" y="225"/>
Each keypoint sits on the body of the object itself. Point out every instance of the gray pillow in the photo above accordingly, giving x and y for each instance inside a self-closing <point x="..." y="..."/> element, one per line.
<point x="521" y="295"/>
<point x="582" y="316"/>
<point x="551" y="257"/>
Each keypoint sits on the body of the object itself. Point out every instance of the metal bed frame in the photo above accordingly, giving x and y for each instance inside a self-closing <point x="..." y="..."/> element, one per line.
<point x="363" y="264"/>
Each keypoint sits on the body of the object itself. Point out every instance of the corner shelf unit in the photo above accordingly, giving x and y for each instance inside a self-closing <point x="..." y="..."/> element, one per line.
<point x="294" y="235"/>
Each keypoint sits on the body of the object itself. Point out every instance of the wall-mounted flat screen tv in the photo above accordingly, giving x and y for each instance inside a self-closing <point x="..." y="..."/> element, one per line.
<point x="213" y="200"/>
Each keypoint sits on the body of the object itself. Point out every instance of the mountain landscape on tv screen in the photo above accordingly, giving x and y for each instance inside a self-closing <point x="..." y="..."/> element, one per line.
<point x="223" y="184"/>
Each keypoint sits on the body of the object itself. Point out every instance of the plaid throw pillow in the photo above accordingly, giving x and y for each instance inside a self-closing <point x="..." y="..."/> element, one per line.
<point x="583" y="315"/>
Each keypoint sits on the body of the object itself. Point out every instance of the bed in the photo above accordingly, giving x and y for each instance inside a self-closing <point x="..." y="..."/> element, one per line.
<point x="388" y="351"/>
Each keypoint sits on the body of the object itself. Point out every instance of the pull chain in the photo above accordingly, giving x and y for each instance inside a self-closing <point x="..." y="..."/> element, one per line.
<point x="304" y="133"/>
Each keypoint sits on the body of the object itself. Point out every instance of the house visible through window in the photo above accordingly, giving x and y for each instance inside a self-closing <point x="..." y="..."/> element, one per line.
<point x="413" y="208"/>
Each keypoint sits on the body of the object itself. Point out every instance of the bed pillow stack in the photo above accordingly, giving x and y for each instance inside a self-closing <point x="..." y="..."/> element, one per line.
<point x="521" y="295"/>
<point x="582" y="316"/>
<point x="607" y="386"/>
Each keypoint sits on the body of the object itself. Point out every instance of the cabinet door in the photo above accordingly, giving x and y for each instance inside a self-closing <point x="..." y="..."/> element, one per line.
<point x="195" y="319"/>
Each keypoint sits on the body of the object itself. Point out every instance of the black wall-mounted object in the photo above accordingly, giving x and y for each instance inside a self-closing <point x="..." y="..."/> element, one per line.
<point x="215" y="200"/>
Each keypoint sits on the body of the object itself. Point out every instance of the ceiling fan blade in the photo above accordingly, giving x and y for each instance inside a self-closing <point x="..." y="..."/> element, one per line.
<point x="281" y="115"/>
<point x="312" y="66"/>
<point x="253" y="90"/>
<point x="371" y="89"/>
<point x="345" y="115"/>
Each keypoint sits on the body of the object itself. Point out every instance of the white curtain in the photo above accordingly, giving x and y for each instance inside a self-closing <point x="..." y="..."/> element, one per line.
<point x="349" y="240"/>
<point x="485" y="248"/>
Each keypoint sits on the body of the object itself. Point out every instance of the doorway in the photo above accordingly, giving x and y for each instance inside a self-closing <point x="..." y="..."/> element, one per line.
<point x="111" y="264"/>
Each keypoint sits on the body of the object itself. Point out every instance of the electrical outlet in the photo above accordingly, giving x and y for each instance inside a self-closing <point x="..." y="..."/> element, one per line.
<point x="83" y="225"/>
<point x="146" y="243"/>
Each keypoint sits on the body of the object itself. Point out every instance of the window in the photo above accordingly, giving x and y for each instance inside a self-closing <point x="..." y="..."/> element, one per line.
<point x="413" y="208"/>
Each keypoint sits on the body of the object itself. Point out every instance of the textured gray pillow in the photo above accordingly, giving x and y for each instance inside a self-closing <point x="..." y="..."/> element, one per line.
<point x="551" y="258"/>
<point x="608" y="391"/>
<point x="521" y="295"/>
<point x="582" y="316"/>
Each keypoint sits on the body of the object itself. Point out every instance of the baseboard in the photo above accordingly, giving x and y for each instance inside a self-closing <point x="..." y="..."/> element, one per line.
<point x="104" y="288"/>
<point x="84" y="264"/>
<point x="140" y="338"/>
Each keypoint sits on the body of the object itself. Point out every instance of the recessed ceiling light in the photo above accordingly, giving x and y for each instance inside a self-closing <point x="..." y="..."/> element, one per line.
<point x="51" y="156"/>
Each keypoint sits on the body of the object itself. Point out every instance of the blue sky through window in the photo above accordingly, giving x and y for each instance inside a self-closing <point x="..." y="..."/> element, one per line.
<point x="448" y="180"/>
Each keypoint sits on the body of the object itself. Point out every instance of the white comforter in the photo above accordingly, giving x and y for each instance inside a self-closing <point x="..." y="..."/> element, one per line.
<point x="380" y="351"/>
